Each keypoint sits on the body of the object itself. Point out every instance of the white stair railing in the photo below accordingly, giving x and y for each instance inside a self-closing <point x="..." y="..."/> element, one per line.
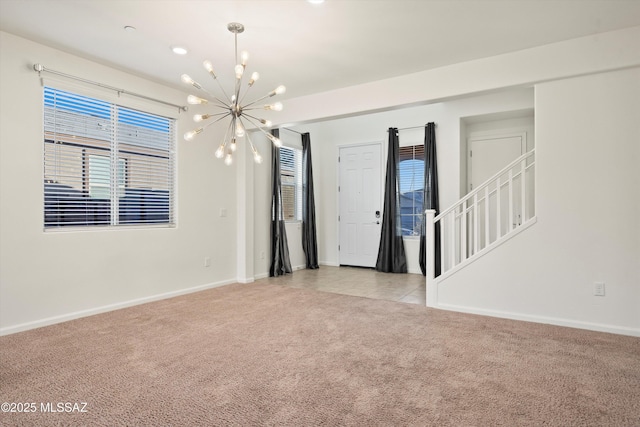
<point x="483" y="218"/>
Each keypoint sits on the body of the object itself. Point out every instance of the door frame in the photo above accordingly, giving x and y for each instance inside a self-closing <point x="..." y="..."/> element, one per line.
<point x="383" y="158"/>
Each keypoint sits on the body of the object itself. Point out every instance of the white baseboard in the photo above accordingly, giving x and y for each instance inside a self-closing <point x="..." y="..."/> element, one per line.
<point x="329" y="263"/>
<point x="266" y="274"/>
<point x="105" y="308"/>
<point x="613" y="329"/>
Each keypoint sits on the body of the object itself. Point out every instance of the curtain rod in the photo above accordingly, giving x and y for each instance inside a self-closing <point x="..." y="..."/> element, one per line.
<point x="291" y="130"/>
<point x="414" y="127"/>
<point x="40" y="68"/>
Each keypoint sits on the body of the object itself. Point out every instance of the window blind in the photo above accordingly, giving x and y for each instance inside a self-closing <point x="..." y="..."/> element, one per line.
<point x="105" y="165"/>
<point x="291" y="180"/>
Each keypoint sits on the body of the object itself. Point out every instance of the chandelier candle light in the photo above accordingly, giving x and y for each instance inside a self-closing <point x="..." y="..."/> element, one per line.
<point x="232" y="106"/>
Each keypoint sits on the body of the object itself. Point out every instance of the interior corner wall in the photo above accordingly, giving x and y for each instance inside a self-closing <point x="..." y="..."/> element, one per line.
<point x="262" y="207"/>
<point x="51" y="276"/>
<point x="587" y="207"/>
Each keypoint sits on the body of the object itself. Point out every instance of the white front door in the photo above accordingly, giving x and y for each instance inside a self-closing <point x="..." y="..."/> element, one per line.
<point x="360" y="209"/>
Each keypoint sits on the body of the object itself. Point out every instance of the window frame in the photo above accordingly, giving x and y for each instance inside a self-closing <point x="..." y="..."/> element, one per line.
<point x="411" y="152"/>
<point x="151" y="204"/>
<point x="295" y="172"/>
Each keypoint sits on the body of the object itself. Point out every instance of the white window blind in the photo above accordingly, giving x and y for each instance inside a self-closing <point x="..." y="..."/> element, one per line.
<point x="104" y="164"/>
<point x="411" y="185"/>
<point x="291" y="180"/>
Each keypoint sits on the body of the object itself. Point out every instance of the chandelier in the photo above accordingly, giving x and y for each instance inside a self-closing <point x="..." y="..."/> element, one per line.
<point x="232" y="106"/>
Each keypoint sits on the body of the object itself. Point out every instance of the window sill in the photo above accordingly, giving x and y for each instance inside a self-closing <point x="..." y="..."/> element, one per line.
<point x="100" y="228"/>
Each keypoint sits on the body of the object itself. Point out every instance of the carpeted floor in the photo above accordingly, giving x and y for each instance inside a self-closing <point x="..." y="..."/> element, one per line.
<point x="263" y="354"/>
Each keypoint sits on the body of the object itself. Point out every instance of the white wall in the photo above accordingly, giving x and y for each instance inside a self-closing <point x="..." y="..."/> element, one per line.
<point x="47" y="277"/>
<point x="587" y="181"/>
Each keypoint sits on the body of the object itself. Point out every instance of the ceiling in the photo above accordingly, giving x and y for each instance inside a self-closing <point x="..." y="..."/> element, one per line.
<point x="309" y="48"/>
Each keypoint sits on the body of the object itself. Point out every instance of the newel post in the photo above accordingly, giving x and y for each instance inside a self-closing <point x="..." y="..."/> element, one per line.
<point x="430" y="264"/>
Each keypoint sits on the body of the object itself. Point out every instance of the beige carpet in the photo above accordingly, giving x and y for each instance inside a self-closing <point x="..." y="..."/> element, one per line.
<point x="263" y="354"/>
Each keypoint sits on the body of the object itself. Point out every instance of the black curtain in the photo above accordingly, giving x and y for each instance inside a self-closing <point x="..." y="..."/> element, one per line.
<point x="391" y="258"/>
<point x="280" y="263"/>
<point x="430" y="200"/>
<point x="309" y="239"/>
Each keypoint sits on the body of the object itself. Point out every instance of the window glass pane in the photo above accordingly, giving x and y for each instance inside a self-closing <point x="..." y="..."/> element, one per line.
<point x="287" y="159"/>
<point x="288" y="202"/>
<point x="99" y="177"/>
<point x="146" y="142"/>
<point x="291" y="180"/>
<point x="82" y="137"/>
<point x="411" y="187"/>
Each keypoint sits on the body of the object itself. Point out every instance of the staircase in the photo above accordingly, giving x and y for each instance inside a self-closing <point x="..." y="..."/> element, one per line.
<point x="494" y="212"/>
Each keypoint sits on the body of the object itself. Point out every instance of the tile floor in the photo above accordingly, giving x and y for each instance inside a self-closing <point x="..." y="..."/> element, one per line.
<point x="363" y="282"/>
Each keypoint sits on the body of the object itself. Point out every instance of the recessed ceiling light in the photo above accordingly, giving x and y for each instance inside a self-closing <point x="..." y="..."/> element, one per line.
<point x="316" y="1"/>
<point x="129" y="28"/>
<point x="179" y="50"/>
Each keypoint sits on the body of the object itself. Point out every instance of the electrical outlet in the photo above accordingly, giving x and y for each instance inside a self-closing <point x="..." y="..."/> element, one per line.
<point x="207" y="262"/>
<point x="598" y="289"/>
<point x="223" y="213"/>
<point x="262" y="255"/>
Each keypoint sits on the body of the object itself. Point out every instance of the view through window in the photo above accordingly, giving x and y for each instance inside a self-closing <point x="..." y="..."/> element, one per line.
<point x="291" y="179"/>
<point x="104" y="164"/>
<point x="411" y="185"/>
